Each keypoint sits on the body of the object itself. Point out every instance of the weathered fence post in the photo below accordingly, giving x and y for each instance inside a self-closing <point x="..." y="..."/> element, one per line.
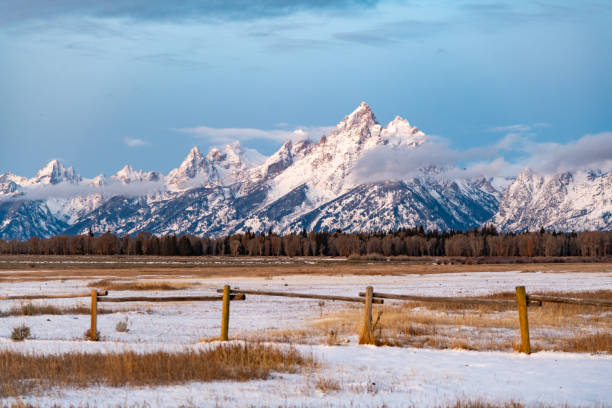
<point x="367" y="335"/>
<point x="93" y="330"/>
<point x="521" y="300"/>
<point x="225" y="313"/>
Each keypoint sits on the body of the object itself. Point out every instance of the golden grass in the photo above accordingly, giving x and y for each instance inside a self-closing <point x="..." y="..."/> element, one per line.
<point x="21" y="374"/>
<point x="30" y="309"/>
<point x="108" y="284"/>
<point x="553" y="326"/>
<point x="587" y="343"/>
<point x="327" y="384"/>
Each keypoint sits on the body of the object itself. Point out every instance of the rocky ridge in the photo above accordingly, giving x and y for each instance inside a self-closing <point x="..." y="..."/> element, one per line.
<point x="304" y="185"/>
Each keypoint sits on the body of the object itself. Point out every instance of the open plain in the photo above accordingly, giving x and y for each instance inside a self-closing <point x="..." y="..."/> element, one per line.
<point x="429" y="354"/>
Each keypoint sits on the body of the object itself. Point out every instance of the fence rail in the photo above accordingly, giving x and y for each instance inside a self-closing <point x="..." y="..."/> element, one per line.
<point x="302" y="295"/>
<point x="56" y="296"/>
<point x="570" y="301"/>
<point x="238" y="296"/>
<point x="474" y="301"/>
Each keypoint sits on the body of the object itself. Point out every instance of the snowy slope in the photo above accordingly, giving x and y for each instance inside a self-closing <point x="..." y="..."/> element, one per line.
<point x="305" y="184"/>
<point x="567" y="202"/>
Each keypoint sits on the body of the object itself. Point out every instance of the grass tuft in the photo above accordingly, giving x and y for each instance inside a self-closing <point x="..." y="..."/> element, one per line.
<point x="327" y="384"/>
<point x="88" y="335"/>
<point x="20" y="333"/>
<point x="122" y="326"/>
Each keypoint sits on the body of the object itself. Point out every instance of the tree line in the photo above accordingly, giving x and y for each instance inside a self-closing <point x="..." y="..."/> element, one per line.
<point x="486" y="241"/>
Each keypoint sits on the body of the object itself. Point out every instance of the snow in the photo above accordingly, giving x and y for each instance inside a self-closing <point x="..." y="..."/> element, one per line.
<point x="367" y="376"/>
<point x="238" y="187"/>
<point x="569" y="201"/>
<point x="384" y="376"/>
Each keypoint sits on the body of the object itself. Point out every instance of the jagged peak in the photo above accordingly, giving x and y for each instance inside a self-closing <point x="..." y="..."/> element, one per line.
<point x="127" y="169"/>
<point x="215" y="155"/>
<point x="98" y="181"/>
<point x="193" y="158"/>
<point x="194" y="152"/>
<point x="193" y="164"/>
<point x="363" y="115"/>
<point x="127" y="174"/>
<point x="55" y="172"/>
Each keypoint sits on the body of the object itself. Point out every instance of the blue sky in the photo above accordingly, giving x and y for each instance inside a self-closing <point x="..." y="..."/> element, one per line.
<point x="102" y="84"/>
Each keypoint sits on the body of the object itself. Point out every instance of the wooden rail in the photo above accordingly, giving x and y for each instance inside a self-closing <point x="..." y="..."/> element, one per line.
<point x="475" y="301"/>
<point x="58" y="296"/>
<point x="570" y="301"/>
<point x="239" y="296"/>
<point x="303" y="295"/>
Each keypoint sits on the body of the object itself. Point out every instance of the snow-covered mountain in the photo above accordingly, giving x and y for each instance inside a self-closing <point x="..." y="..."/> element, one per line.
<point x="569" y="201"/>
<point x="307" y="184"/>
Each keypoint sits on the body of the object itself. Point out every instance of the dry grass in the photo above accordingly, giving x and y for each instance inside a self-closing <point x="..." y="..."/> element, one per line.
<point x="587" y="343"/>
<point x="21" y="374"/>
<point x="553" y="326"/>
<point x="20" y="333"/>
<point x="327" y="384"/>
<point x="42" y="268"/>
<point x="30" y="309"/>
<point x="108" y="284"/>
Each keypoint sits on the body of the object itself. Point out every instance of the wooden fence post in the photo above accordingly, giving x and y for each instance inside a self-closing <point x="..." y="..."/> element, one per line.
<point x="93" y="330"/>
<point x="521" y="300"/>
<point x="367" y="335"/>
<point x="225" y="313"/>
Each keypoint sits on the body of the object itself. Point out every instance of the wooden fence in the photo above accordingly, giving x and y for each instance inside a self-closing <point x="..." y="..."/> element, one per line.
<point x="367" y="298"/>
<point x="523" y="300"/>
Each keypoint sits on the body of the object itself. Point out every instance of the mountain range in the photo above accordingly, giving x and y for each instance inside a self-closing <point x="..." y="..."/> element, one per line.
<point x="312" y="185"/>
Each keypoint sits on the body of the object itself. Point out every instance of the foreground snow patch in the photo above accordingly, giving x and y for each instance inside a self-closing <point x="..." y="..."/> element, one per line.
<point x="383" y="376"/>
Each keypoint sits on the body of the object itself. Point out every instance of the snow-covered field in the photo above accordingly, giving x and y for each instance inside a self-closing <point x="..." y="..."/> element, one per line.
<point x="367" y="376"/>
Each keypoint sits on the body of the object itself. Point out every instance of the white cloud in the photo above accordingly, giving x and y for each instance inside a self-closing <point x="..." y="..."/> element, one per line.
<point x="590" y="151"/>
<point x="228" y="135"/>
<point x="67" y="191"/>
<point x="511" y="128"/>
<point x="505" y="158"/>
<point x="135" y="142"/>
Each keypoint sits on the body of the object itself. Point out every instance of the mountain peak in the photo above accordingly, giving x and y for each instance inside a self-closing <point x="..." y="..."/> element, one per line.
<point x="126" y="169"/>
<point x="194" y="152"/>
<point x="363" y="115"/>
<point x="215" y="155"/>
<point x="127" y="174"/>
<point x="193" y="160"/>
<point x="54" y="172"/>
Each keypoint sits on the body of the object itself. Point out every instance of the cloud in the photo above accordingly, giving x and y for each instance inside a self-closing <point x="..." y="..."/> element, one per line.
<point x="505" y="158"/>
<point x="589" y="152"/>
<point x="135" y="142"/>
<point x="519" y="127"/>
<point x="395" y="31"/>
<point x="15" y="11"/>
<point x="228" y="135"/>
<point x="67" y="190"/>
<point x="511" y="128"/>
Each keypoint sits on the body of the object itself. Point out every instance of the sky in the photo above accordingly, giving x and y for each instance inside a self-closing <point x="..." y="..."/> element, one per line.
<point x="102" y="84"/>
